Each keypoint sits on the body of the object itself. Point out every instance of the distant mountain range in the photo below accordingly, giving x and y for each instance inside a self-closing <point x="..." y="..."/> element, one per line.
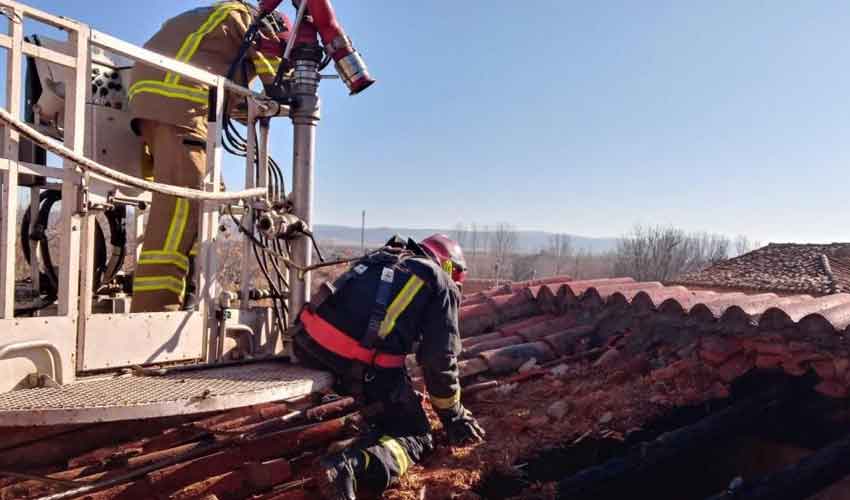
<point x="528" y="241"/>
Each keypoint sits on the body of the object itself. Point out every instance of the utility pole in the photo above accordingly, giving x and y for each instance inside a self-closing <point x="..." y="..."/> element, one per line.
<point x="363" y="233"/>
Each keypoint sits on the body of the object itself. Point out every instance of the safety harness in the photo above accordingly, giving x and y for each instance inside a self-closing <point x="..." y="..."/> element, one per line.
<point x="366" y="353"/>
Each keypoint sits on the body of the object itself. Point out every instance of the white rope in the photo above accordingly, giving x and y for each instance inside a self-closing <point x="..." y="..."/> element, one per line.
<point x="116" y="176"/>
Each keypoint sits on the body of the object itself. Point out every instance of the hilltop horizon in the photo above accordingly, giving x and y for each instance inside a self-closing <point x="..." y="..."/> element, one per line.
<point x="528" y="240"/>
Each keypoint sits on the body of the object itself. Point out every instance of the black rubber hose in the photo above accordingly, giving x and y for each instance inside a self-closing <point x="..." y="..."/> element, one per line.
<point x="116" y="218"/>
<point x="49" y="279"/>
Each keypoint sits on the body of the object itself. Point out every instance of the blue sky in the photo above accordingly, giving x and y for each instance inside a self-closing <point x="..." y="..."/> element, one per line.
<point x="583" y="117"/>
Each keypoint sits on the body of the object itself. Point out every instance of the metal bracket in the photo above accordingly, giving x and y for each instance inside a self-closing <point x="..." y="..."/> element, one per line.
<point x="42" y="380"/>
<point x="52" y="351"/>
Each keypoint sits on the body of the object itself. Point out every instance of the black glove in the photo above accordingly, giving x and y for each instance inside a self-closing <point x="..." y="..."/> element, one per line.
<point x="463" y="429"/>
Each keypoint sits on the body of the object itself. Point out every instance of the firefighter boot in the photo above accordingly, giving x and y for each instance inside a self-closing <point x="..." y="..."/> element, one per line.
<point x="340" y="473"/>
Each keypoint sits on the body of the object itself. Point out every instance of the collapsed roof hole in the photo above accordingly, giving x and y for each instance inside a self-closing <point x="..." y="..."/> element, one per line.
<point x="771" y="422"/>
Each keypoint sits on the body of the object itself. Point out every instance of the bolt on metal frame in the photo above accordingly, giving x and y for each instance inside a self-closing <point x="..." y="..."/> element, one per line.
<point x="84" y="341"/>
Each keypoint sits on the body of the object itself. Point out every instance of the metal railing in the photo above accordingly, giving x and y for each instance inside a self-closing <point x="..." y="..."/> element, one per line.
<point x="77" y="220"/>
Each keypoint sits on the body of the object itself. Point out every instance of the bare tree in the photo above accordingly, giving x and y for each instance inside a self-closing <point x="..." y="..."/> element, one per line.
<point x="526" y="267"/>
<point x="661" y="253"/>
<point x="484" y="244"/>
<point x="578" y="261"/>
<point x="461" y="234"/>
<point x="474" y="242"/>
<point x="560" y="247"/>
<point x="742" y="245"/>
<point x="503" y="245"/>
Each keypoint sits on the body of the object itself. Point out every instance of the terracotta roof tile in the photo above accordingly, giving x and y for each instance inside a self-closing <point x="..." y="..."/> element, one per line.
<point x="781" y="267"/>
<point x="656" y="345"/>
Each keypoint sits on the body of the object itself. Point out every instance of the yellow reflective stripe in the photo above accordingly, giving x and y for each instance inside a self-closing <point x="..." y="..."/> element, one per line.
<point x="366" y="458"/>
<point x="399" y="304"/>
<point x="398" y="453"/>
<point x="170" y="254"/>
<point x="266" y="66"/>
<point x="158" y="284"/>
<point x="173" y="95"/>
<point x="143" y="85"/>
<point x="174" y="91"/>
<point x="166" y="258"/>
<point x="193" y="41"/>
<point x="178" y="225"/>
<point x="445" y="403"/>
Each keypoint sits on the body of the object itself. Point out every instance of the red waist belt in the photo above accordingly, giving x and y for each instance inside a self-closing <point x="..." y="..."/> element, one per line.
<point x="337" y="342"/>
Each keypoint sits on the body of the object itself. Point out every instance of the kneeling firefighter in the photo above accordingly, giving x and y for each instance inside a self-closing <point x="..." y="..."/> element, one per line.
<point x="399" y="300"/>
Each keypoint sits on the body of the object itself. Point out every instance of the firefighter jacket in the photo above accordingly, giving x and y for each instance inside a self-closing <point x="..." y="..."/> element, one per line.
<point x="421" y="317"/>
<point x="206" y="37"/>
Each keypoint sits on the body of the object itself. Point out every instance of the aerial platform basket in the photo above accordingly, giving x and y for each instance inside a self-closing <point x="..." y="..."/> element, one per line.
<point x="67" y="363"/>
<point x="130" y="397"/>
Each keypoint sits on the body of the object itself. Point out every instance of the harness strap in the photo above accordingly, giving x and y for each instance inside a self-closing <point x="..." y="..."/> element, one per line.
<point x="337" y="342"/>
<point x="328" y="289"/>
<point x="379" y="310"/>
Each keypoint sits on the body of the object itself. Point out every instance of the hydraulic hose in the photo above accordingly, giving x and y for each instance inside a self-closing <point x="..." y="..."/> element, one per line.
<point x="102" y="271"/>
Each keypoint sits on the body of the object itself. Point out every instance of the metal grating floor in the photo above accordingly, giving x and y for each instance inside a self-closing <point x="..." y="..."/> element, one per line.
<point x="179" y="393"/>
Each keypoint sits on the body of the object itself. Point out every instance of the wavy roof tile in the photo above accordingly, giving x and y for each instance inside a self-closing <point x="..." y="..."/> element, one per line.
<point x="550" y="320"/>
<point x="628" y="351"/>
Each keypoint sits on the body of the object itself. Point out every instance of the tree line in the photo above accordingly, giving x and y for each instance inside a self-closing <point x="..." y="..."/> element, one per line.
<point x="645" y="253"/>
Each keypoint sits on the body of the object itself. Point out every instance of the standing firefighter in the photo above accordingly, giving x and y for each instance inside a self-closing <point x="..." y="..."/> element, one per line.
<point x="402" y="299"/>
<point x="170" y="113"/>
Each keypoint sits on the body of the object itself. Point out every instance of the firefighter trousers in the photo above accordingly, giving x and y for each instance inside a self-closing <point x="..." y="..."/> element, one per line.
<point x="397" y="438"/>
<point x="179" y="158"/>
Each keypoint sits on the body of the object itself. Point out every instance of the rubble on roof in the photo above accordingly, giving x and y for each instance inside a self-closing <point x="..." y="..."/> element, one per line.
<point x="781" y="267"/>
<point x="576" y="369"/>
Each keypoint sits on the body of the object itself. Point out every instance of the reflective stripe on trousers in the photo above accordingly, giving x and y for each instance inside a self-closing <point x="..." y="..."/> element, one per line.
<point x="171" y="229"/>
<point x="159" y="284"/>
<point x="400" y="456"/>
<point x="445" y="403"/>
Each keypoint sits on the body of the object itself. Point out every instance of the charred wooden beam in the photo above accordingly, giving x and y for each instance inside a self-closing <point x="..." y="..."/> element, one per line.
<point x="802" y="480"/>
<point x="140" y="482"/>
<point x="620" y="476"/>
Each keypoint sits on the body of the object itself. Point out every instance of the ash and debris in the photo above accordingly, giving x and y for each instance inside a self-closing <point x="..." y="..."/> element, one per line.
<point x="609" y="357"/>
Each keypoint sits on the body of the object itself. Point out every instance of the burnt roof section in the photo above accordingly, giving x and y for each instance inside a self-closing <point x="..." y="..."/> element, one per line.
<point x="781" y="267"/>
<point x="625" y="350"/>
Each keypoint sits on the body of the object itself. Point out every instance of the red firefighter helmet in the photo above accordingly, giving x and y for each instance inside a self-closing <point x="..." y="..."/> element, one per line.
<point x="448" y="254"/>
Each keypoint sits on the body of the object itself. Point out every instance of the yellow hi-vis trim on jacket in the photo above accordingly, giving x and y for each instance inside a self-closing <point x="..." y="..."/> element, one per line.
<point x="445" y="403"/>
<point x="172" y="90"/>
<point x="158" y="284"/>
<point x="170" y="86"/>
<point x="398" y="453"/>
<point x="192" y="42"/>
<point x="399" y="304"/>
